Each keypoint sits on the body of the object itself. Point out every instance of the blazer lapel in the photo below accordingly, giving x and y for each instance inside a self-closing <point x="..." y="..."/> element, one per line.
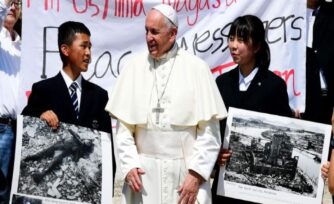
<point x="256" y="82"/>
<point x="235" y="87"/>
<point x="85" y="99"/>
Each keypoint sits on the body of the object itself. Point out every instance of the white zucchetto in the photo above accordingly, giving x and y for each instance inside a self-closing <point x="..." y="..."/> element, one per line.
<point x="168" y="12"/>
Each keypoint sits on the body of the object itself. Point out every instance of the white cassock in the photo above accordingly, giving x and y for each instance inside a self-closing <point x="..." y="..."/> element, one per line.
<point x="166" y="141"/>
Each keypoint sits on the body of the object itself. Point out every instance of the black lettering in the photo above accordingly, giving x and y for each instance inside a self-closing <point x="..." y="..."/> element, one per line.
<point x="282" y="23"/>
<point x="45" y="50"/>
<point x="270" y="27"/>
<point x="224" y="32"/>
<point x="120" y="59"/>
<point x="107" y="56"/>
<point x="96" y="67"/>
<point x="297" y="28"/>
<point x="184" y="44"/>
<point x="202" y="38"/>
<point x="217" y="38"/>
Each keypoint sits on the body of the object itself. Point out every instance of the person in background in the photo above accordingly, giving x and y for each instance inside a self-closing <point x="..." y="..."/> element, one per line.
<point x="319" y="79"/>
<point x="315" y="97"/>
<point x="168" y="109"/>
<point x="10" y="55"/>
<point x="323" y="49"/>
<point x="250" y="85"/>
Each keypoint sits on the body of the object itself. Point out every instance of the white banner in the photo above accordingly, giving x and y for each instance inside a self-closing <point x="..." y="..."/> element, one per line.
<point x="117" y="28"/>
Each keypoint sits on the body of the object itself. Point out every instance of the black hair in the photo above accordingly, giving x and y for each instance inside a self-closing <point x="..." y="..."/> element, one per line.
<point x="250" y="27"/>
<point x="66" y="35"/>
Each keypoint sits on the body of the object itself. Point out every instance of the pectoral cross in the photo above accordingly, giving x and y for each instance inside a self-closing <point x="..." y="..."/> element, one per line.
<point x="157" y="110"/>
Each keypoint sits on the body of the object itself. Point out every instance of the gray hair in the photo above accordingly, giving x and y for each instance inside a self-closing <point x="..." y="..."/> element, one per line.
<point x="169" y="24"/>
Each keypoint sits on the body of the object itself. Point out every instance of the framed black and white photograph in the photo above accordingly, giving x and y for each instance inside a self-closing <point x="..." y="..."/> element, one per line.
<point x="71" y="164"/>
<point x="275" y="159"/>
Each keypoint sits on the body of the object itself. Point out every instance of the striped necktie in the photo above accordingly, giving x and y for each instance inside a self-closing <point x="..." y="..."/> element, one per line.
<point x="74" y="97"/>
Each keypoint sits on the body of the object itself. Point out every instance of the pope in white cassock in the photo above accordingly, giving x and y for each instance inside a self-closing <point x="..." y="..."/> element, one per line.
<point x="168" y="109"/>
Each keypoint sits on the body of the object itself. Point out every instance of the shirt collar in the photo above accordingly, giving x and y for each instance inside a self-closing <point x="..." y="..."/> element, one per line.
<point x="69" y="81"/>
<point x="17" y="37"/>
<point x="171" y="53"/>
<point x="6" y="34"/>
<point x="309" y="12"/>
<point x="248" y="79"/>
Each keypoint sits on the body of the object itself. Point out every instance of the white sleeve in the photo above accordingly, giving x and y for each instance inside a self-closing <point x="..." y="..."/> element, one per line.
<point x="127" y="150"/>
<point x="206" y="148"/>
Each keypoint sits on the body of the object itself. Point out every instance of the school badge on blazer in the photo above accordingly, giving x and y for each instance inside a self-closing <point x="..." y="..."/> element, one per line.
<point x="95" y="124"/>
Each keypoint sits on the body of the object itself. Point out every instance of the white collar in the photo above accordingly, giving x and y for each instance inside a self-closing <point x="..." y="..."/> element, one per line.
<point x="6" y="34"/>
<point x="171" y="53"/>
<point x="248" y="79"/>
<point x="69" y="81"/>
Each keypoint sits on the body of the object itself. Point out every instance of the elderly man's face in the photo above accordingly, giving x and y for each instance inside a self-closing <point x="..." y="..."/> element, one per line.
<point x="13" y="14"/>
<point x="159" y="37"/>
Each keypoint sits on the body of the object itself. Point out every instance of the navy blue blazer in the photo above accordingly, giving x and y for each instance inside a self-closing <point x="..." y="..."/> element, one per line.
<point x="267" y="93"/>
<point x="52" y="94"/>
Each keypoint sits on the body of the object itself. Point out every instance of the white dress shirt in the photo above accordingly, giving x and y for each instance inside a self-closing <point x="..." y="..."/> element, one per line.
<point x="244" y="82"/>
<point x="69" y="81"/>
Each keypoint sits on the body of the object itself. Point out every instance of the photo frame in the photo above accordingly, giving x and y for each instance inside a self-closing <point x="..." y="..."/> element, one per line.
<point x="275" y="159"/>
<point x="70" y="164"/>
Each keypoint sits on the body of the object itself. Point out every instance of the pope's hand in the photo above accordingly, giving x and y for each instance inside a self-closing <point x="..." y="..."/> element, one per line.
<point x="189" y="189"/>
<point x="133" y="179"/>
<point x="51" y="118"/>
